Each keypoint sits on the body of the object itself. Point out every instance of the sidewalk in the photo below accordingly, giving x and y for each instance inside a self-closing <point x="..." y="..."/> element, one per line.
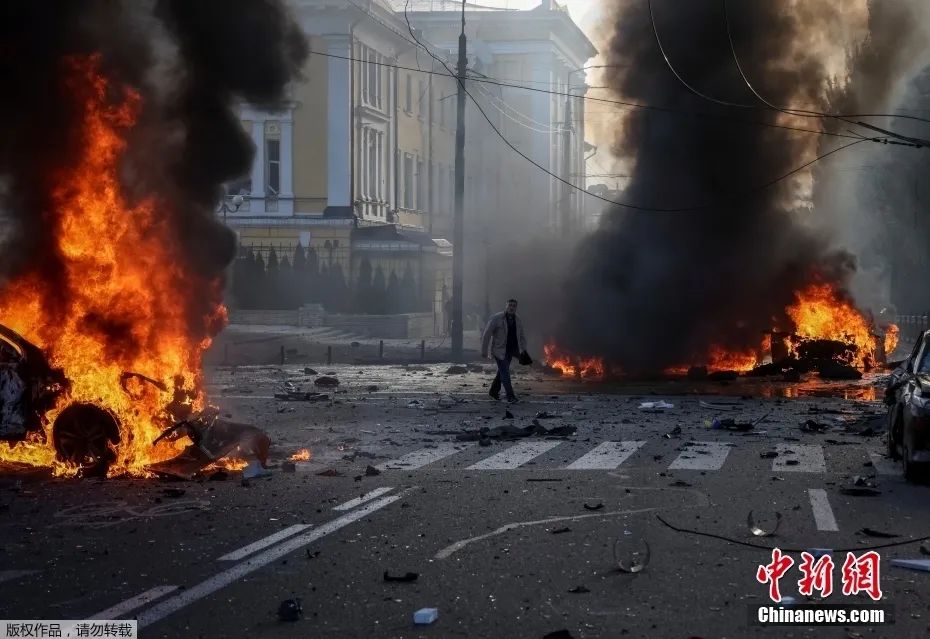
<point x="244" y="344"/>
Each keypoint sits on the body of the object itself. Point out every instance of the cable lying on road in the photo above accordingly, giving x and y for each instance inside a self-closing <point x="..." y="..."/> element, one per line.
<point x="740" y="542"/>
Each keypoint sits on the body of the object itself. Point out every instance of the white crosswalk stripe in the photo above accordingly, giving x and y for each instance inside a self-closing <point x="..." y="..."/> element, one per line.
<point x="424" y="456"/>
<point x="809" y="458"/>
<point x="515" y="456"/>
<point x="605" y="456"/>
<point x="701" y="456"/>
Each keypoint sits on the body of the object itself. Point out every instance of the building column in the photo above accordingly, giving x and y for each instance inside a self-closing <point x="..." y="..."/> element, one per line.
<point x="257" y="200"/>
<point x="339" y="125"/>
<point x="286" y="198"/>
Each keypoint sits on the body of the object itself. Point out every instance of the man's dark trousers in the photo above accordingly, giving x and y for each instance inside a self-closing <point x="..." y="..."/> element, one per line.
<point x="502" y="377"/>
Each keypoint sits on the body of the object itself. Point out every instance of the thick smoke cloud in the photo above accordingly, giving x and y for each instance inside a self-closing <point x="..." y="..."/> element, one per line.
<point x="650" y="289"/>
<point x="190" y="62"/>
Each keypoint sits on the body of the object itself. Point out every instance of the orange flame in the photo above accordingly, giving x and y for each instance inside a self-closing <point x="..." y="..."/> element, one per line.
<point x="117" y="276"/>
<point x="572" y="366"/>
<point x="303" y="454"/>
<point x="820" y="313"/>
<point x="892" y="334"/>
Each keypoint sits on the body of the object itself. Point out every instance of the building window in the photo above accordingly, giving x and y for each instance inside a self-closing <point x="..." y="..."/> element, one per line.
<point x="371" y="76"/>
<point x="272" y="166"/>
<point x="421" y="186"/>
<point x="421" y="91"/>
<point x="408" y="95"/>
<point x="408" y="181"/>
<point x="372" y="164"/>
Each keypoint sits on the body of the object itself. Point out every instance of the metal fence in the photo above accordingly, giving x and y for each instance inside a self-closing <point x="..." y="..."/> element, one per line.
<point x="912" y="326"/>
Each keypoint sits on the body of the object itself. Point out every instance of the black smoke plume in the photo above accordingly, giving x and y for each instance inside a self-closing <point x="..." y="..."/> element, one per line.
<point x="650" y="289"/>
<point x="190" y="61"/>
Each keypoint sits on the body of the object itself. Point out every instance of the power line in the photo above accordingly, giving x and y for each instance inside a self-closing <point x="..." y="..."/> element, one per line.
<point x="626" y="205"/>
<point x="622" y="103"/>
<point x="799" y="113"/>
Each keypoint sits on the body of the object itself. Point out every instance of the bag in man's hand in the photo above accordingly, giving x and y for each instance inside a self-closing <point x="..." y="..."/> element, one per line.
<point x="525" y="359"/>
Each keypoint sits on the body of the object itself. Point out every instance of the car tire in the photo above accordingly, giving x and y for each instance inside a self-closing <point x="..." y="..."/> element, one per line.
<point x="85" y="435"/>
<point x="913" y="472"/>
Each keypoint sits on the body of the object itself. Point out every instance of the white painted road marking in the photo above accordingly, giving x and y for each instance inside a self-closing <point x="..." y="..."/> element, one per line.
<point x="209" y="586"/>
<point x="823" y="514"/>
<point x="809" y="457"/>
<point x="263" y="543"/>
<point x="515" y="456"/>
<point x="605" y="456"/>
<point x="883" y="465"/>
<point x="424" y="456"/>
<point x="134" y="603"/>
<point x="7" y="575"/>
<point x="701" y="456"/>
<point x="358" y="501"/>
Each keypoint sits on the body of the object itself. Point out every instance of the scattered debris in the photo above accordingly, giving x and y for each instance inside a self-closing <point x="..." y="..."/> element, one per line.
<point x="869" y="532"/>
<point x="326" y="381"/>
<point x="859" y="480"/>
<point x="792" y="462"/>
<point x="659" y="405"/>
<point x="578" y="590"/>
<point x="716" y="406"/>
<point x="675" y="432"/>
<point x="405" y="578"/>
<point x="730" y="424"/>
<point x="860" y="492"/>
<point x="456" y="370"/>
<point x="545" y="415"/>
<point x="514" y="432"/>
<point x="290" y="610"/>
<point x="371" y="471"/>
<point x="769" y="454"/>
<point x="288" y="467"/>
<point x="425" y="616"/>
<point x="913" y="564"/>
<point x="631" y="561"/>
<point x="310" y="371"/>
<point x="301" y="396"/>
<point x="810" y="426"/>
<point x="372" y="389"/>
<point x="173" y="492"/>
<point x="559" y="531"/>
<point x="544" y="479"/>
<point x="763" y="525"/>
<point x="414" y="403"/>
<point x="559" y="634"/>
<point x="680" y="484"/>
<point x="924" y="550"/>
<point x="597" y="506"/>
<point x="330" y="472"/>
<point x="255" y="470"/>
<point x="508" y="415"/>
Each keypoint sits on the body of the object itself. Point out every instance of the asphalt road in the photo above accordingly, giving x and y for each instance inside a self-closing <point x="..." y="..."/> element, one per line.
<point x="500" y="536"/>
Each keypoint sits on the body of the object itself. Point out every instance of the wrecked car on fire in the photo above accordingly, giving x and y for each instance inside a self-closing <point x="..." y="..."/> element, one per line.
<point x="908" y="399"/>
<point x="86" y="435"/>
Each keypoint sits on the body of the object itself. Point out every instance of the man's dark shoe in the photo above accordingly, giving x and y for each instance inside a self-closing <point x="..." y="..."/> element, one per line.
<point x="496" y="396"/>
<point x="513" y="400"/>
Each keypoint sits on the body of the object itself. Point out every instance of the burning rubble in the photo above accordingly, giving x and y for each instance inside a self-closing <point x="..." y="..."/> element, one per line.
<point x="823" y="331"/>
<point x="728" y="241"/>
<point x="112" y="280"/>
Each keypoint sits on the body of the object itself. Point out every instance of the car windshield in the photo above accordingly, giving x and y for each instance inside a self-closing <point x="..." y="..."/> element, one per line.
<point x="924" y="365"/>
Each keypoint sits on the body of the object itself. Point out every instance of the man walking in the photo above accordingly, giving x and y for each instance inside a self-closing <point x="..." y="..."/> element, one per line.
<point x="505" y="338"/>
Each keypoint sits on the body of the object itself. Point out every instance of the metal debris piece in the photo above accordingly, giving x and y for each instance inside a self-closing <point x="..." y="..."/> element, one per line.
<point x="860" y="492"/>
<point x="330" y="472"/>
<point x="769" y="454"/>
<point x="578" y="590"/>
<point x="659" y="405"/>
<point x="763" y="525"/>
<point x="870" y="532"/>
<point x="924" y="550"/>
<point x="405" y="578"/>
<point x="559" y="531"/>
<point x="326" y="380"/>
<point x="425" y="616"/>
<point x="290" y="610"/>
<point x="810" y="426"/>
<point x="631" y="554"/>
<point x="371" y="471"/>
<point x="675" y="432"/>
<point x="310" y="371"/>
<point x="456" y="370"/>
<point x="597" y="506"/>
<point x="680" y="484"/>
<point x="716" y="406"/>
<point x="913" y="564"/>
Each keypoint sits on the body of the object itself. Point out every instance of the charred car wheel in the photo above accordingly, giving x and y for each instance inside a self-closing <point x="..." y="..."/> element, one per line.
<point x="894" y="433"/>
<point x="913" y="471"/>
<point x="83" y="434"/>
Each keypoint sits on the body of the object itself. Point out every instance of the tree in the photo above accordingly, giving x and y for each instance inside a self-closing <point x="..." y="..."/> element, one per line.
<point x="258" y="283"/>
<point x="299" y="274"/>
<point x="363" y="287"/>
<point x="379" y="292"/>
<point x="410" y="294"/>
<point x="395" y="304"/>
<point x="273" y="281"/>
<point x="312" y="280"/>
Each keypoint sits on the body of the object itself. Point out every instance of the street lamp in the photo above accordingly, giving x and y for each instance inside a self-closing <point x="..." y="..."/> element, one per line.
<point x="237" y="201"/>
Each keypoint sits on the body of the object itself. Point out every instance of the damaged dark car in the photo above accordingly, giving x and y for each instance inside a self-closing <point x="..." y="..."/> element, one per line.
<point x="908" y="398"/>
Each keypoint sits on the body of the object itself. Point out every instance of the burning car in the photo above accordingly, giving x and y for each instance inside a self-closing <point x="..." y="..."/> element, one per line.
<point x="83" y="434"/>
<point x="908" y="398"/>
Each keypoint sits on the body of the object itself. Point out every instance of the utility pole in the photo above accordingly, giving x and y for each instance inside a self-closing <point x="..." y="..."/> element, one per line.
<point x="458" y="232"/>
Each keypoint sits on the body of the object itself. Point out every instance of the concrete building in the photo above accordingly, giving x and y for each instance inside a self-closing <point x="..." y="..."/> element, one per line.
<point x="367" y="140"/>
